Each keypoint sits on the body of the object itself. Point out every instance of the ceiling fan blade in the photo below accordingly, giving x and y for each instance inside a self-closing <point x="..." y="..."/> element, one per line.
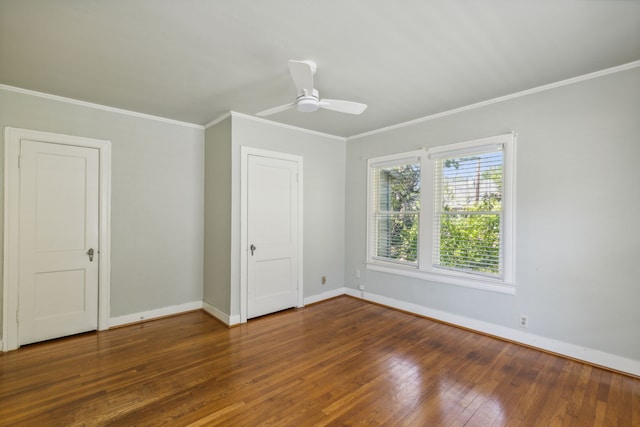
<point x="343" y="106"/>
<point x="275" y="110"/>
<point x="302" y="75"/>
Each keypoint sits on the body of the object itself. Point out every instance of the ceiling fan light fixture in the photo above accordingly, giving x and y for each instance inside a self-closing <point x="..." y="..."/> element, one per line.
<point x="307" y="105"/>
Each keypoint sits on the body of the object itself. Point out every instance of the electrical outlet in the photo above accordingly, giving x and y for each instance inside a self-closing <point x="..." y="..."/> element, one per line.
<point x="361" y="287"/>
<point x="324" y="280"/>
<point x="524" y="321"/>
<point x="357" y="274"/>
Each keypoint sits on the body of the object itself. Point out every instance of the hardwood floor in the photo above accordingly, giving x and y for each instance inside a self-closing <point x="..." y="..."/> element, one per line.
<point x="339" y="362"/>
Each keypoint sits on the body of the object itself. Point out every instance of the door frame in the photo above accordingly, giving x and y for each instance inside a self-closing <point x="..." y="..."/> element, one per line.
<point x="11" y="280"/>
<point x="245" y="152"/>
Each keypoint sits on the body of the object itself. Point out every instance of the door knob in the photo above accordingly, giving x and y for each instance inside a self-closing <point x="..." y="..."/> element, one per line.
<point x="90" y="252"/>
<point x="253" y="248"/>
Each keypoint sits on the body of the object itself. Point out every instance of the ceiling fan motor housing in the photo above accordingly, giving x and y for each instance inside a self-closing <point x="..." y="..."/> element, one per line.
<point x="308" y="103"/>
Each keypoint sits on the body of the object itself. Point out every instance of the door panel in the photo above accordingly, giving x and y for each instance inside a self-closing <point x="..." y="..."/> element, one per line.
<point x="59" y="218"/>
<point x="59" y="293"/>
<point x="61" y="197"/>
<point x="272" y="205"/>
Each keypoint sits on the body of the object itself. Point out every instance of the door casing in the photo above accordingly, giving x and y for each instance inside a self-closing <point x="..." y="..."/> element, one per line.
<point x="12" y="138"/>
<point x="245" y="152"/>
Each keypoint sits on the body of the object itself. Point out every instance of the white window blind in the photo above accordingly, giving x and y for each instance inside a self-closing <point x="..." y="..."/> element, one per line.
<point x="395" y="210"/>
<point x="468" y="210"/>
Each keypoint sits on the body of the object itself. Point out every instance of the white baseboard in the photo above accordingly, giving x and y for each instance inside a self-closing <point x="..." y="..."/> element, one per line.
<point x="235" y="319"/>
<point x="595" y="357"/>
<point x="325" y="295"/>
<point x="155" y="313"/>
<point x="220" y="315"/>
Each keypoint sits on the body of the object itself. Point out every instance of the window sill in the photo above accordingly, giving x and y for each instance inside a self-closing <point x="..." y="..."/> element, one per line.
<point x="484" y="284"/>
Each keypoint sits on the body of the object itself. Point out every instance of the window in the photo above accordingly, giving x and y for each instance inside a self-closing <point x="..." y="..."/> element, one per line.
<point x="463" y="234"/>
<point x="468" y="211"/>
<point x="395" y="208"/>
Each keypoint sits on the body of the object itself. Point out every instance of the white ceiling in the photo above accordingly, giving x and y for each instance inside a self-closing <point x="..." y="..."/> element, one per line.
<point x="195" y="60"/>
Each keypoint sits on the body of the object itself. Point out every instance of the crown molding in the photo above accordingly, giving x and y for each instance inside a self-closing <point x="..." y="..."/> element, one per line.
<point x="566" y="82"/>
<point x="218" y="120"/>
<point x="543" y="88"/>
<point x="285" y="126"/>
<point x="97" y="106"/>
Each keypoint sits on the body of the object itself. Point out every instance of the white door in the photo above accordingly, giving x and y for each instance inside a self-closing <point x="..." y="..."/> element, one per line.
<point x="59" y="219"/>
<point x="272" y="235"/>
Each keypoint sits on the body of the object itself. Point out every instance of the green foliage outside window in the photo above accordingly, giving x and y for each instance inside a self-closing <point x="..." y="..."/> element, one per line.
<point x="469" y="215"/>
<point x="470" y="241"/>
<point x="470" y="229"/>
<point x="398" y="206"/>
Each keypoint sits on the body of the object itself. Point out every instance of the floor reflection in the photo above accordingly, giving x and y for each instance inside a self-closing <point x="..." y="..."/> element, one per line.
<point x="436" y="398"/>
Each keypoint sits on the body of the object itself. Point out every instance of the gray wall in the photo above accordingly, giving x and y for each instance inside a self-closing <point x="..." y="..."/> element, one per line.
<point x="157" y="197"/>
<point x="577" y="204"/>
<point x="577" y="232"/>
<point x="217" y="214"/>
<point x="324" y="205"/>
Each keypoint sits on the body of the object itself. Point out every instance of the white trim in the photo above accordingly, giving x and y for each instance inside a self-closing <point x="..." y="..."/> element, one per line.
<point x="451" y="150"/>
<point x="245" y="152"/>
<point x="12" y="138"/>
<point x="98" y="106"/>
<point x="220" y="315"/>
<point x="467" y="281"/>
<point x="218" y="120"/>
<point x="154" y="314"/>
<point x="325" y="295"/>
<point x="566" y="82"/>
<point x="543" y="88"/>
<point x="596" y="357"/>
<point x="11" y="239"/>
<point x="244" y="218"/>
<point x="509" y="209"/>
<point x="234" y="319"/>
<point x="397" y="159"/>
<point x="285" y="126"/>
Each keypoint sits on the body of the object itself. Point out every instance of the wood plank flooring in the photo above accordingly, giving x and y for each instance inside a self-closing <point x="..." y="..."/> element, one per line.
<point x="339" y="362"/>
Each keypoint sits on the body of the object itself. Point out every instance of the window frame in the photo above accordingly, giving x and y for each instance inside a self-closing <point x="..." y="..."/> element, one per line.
<point x="425" y="268"/>
<point x="390" y="160"/>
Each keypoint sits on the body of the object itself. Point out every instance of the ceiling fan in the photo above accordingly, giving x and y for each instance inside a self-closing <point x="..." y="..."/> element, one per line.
<point x="308" y="99"/>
